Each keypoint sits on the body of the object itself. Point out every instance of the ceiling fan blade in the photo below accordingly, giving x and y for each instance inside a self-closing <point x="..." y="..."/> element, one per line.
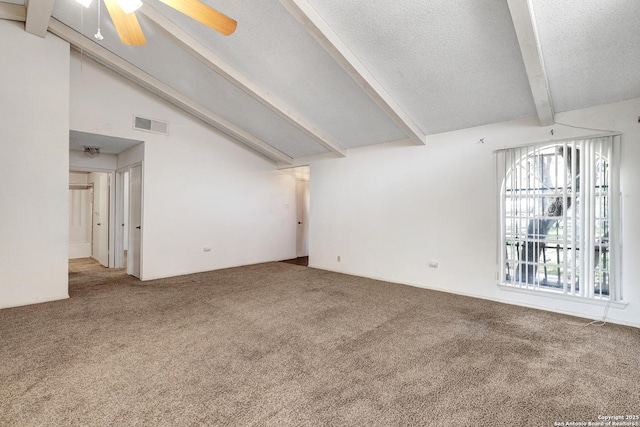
<point x="204" y="14"/>
<point x="127" y="25"/>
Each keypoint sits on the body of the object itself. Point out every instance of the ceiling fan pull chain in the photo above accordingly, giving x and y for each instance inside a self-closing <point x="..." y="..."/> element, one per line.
<point x="97" y="35"/>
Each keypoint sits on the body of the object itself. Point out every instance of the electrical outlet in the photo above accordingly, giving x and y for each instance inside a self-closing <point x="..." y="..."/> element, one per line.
<point x="207" y="249"/>
<point x="338" y="258"/>
<point x="433" y="264"/>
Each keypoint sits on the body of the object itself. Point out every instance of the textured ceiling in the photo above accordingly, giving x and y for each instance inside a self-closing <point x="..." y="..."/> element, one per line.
<point x="274" y="51"/>
<point x="591" y="50"/>
<point x="447" y="64"/>
<point x="450" y="63"/>
<point x="281" y="57"/>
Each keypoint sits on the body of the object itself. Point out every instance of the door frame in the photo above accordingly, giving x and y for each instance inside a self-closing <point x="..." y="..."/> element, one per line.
<point x="295" y="173"/>
<point x="303" y="188"/>
<point x="111" y="174"/>
<point x="119" y="215"/>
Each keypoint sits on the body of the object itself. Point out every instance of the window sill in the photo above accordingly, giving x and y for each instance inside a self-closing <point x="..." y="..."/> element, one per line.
<point x="561" y="296"/>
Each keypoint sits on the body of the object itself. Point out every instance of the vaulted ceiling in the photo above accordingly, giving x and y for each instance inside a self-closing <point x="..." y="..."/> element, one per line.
<point x="305" y="77"/>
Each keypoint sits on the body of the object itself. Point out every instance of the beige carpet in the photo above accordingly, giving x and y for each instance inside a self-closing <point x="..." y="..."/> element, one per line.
<point x="278" y="344"/>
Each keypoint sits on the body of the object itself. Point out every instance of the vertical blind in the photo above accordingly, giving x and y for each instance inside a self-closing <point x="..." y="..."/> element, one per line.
<point x="559" y="205"/>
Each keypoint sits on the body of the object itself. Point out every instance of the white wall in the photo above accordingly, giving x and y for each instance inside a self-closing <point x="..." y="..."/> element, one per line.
<point x="201" y="189"/>
<point x="388" y="210"/>
<point x="34" y="173"/>
<point x="81" y="178"/>
<point x="131" y="156"/>
<point x="79" y="223"/>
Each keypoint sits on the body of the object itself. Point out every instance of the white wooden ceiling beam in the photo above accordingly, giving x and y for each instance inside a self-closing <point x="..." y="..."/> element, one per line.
<point x="38" y="15"/>
<point x="321" y="31"/>
<point x="224" y="69"/>
<point x="122" y="67"/>
<point x="525" y="25"/>
<point x="13" y="12"/>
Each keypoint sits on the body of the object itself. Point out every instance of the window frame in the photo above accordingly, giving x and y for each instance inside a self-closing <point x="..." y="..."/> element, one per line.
<point x="505" y="163"/>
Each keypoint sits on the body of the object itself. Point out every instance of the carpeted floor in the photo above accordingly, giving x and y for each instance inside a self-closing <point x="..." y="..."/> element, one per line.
<point x="278" y="344"/>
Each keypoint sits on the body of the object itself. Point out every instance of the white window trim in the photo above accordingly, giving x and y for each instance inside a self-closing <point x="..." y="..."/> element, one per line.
<point x="559" y="295"/>
<point x="616" y="297"/>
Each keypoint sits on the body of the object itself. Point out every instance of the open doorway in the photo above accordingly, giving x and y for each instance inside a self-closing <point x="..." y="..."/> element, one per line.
<point x="89" y="216"/>
<point x="302" y="175"/>
<point x="98" y="197"/>
<point x="303" y="179"/>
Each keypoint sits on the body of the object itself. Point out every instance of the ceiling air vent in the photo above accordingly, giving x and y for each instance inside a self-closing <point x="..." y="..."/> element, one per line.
<point x="150" y="125"/>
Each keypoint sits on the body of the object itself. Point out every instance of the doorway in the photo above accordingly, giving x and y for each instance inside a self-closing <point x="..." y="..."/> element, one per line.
<point x="302" y="209"/>
<point x="134" y="246"/>
<point x="302" y="176"/>
<point x="100" y="216"/>
<point x="89" y="206"/>
<point x="129" y="219"/>
<point x="102" y="164"/>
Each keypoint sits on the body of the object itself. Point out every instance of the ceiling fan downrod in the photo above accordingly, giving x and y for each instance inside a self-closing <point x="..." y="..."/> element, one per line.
<point x="98" y="35"/>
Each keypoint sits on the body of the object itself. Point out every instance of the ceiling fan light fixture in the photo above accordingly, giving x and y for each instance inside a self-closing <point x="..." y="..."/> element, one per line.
<point x="85" y="3"/>
<point x="91" y="151"/>
<point x="130" y="6"/>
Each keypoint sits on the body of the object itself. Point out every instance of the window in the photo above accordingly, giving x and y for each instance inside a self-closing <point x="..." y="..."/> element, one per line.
<point x="559" y="217"/>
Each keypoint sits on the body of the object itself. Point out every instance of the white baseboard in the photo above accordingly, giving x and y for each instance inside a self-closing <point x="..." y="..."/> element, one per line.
<point x="499" y="300"/>
<point x="38" y="301"/>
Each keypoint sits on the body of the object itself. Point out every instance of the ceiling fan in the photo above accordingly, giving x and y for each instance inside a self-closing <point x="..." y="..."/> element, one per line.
<point x="128" y="27"/>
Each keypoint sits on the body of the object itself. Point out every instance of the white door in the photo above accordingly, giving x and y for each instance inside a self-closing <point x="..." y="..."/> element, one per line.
<point x="302" y="231"/>
<point x="135" y="221"/>
<point x="100" y="247"/>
